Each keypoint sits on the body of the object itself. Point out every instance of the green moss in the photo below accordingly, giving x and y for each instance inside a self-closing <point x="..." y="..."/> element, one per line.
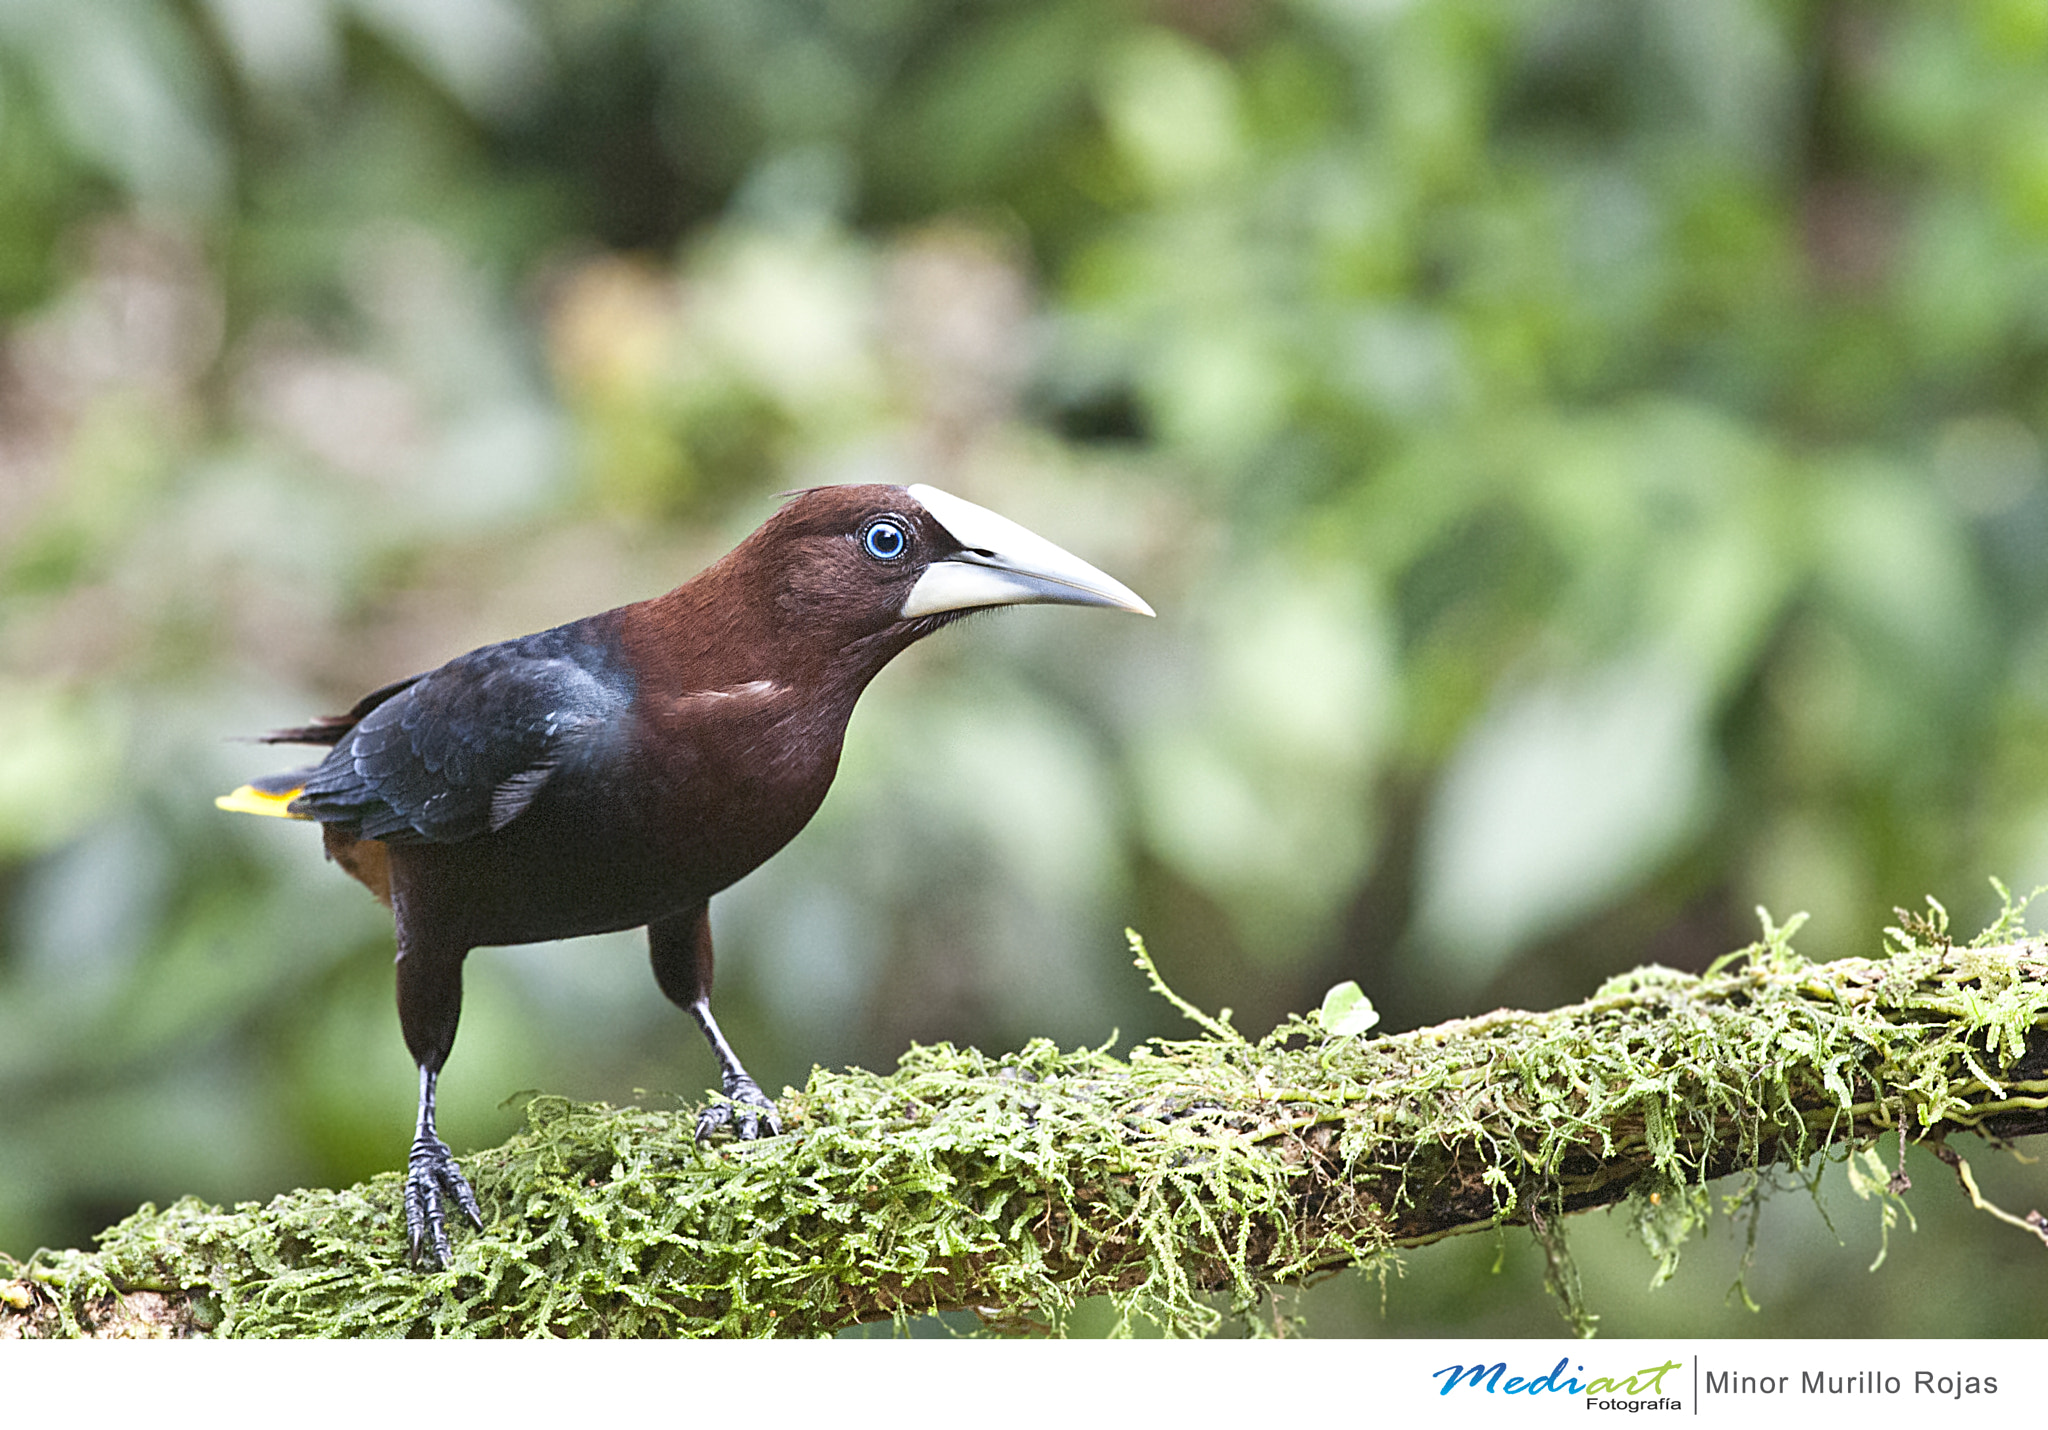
<point x="1026" y="1183"/>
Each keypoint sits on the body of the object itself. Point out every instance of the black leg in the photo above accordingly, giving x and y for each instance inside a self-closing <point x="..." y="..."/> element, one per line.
<point x="681" y="950"/>
<point x="430" y="1177"/>
<point x="429" y="1006"/>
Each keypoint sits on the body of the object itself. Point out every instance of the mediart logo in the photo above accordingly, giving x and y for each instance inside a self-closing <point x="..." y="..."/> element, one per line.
<point x="1639" y="1390"/>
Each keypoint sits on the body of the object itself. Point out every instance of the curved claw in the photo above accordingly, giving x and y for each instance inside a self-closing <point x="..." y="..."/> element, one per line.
<point x="430" y="1176"/>
<point x="746" y="1111"/>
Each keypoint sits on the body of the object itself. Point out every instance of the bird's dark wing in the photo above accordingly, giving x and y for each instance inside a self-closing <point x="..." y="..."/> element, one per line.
<point x="465" y="749"/>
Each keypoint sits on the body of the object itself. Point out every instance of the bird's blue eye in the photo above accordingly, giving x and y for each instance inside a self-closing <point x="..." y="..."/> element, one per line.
<point x="885" y="541"/>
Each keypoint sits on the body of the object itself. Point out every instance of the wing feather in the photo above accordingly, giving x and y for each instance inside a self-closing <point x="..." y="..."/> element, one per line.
<point x="466" y="749"/>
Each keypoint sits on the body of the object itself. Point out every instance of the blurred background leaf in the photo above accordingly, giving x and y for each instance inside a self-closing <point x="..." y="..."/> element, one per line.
<point x="1587" y="456"/>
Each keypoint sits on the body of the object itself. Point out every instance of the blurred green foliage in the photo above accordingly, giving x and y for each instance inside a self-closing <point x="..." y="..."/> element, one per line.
<point x="1587" y="455"/>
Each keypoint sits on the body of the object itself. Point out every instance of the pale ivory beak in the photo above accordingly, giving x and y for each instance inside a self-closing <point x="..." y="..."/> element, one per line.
<point x="1005" y="565"/>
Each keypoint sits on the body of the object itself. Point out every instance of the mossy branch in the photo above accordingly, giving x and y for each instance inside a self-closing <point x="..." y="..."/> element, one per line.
<point x="1188" y="1175"/>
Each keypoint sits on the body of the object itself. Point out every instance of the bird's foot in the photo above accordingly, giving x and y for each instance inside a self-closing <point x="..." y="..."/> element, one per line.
<point x="430" y="1177"/>
<point x="747" y="1110"/>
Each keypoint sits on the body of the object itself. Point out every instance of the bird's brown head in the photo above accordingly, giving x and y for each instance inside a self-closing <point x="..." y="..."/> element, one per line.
<point x="876" y="567"/>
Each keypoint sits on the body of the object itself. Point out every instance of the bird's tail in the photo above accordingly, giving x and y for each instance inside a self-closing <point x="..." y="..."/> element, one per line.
<point x="272" y="795"/>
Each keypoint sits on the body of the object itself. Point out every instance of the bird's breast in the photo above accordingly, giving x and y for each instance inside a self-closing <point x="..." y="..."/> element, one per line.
<point x="734" y="772"/>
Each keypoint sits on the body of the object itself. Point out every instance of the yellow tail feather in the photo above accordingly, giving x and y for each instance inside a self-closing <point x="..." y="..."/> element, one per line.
<point x="251" y="800"/>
